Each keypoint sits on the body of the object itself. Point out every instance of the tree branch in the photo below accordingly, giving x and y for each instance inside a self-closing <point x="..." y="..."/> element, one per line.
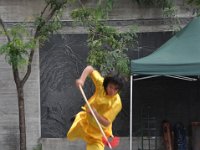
<point x="28" y="72"/>
<point x="16" y="76"/>
<point x="80" y="2"/>
<point x="45" y="8"/>
<point x="37" y="33"/>
<point x="5" y="30"/>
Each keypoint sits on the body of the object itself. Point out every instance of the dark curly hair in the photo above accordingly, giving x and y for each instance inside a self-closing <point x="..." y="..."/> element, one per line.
<point x="115" y="79"/>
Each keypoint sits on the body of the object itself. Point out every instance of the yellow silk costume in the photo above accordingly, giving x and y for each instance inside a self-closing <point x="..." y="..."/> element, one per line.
<point x="84" y="125"/>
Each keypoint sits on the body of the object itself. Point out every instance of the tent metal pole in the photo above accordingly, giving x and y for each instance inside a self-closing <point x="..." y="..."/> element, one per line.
<point x="171" y="76"/>
<point x="182" y="78"/>
<point x="143" y="78"/>
<point x="131" y="95"/>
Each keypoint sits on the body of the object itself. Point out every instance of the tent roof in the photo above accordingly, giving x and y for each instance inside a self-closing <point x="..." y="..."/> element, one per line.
<point x="180" y="55"/>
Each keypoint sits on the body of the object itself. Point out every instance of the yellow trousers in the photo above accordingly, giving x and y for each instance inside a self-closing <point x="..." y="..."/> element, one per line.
<point x="94" y="146"/>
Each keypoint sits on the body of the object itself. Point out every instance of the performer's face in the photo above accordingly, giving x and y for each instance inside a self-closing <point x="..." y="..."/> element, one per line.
<point x="112" y="89"/>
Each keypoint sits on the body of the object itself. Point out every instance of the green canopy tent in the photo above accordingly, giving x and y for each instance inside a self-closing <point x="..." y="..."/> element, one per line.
<point x="178" y="57"/>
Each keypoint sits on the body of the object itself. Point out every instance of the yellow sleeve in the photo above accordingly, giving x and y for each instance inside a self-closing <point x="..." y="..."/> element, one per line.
<point x="113" y="111"/>
<point x="98" y="82"/>
<point x="96" y="78"/>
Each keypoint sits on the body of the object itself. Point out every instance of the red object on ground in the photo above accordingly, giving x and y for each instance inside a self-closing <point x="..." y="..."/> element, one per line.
<point x="114" y="142"/>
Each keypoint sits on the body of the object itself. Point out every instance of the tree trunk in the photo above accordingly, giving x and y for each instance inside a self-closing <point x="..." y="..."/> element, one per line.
<point x="21" y="107"/>
<point x="22" y="124"/>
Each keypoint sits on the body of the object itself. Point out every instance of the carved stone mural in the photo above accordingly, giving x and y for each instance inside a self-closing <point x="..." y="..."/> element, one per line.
<point x="62" y="59"/>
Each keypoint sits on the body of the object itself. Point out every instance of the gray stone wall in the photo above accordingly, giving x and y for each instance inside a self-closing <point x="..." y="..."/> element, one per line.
<point x="8" y="108"/>
<point x="19" y="10"/>
<point x="147" y="19"/>
<point x="9" y="124"/>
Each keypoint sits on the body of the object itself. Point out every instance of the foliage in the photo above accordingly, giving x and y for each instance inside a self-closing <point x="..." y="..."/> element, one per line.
<point x="170" y="13"/>
<point x="16" y="51"/>
<point x="48" y="28"/>
<point x="38" y="147"/>
<point x="168" y="9"/>
<point x="155" y="3"/>
<point x="195" y="2"/>
<point x="108" y="47"/>
<point x="196" y="5"/>
<point x="21" y="42"/>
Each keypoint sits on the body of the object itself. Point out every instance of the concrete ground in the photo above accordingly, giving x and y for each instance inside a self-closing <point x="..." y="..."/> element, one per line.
<point x="64" y="144"/>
